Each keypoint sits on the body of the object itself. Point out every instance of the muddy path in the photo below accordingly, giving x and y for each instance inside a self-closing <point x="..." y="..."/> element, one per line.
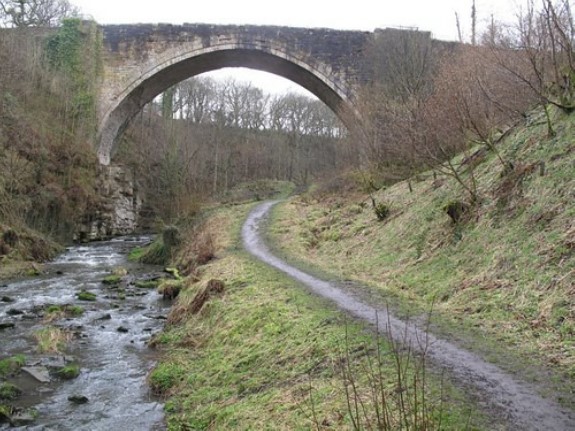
<point x="515" y="403"/>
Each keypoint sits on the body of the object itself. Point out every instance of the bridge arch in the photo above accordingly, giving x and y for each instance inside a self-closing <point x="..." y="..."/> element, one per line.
<point x="128" y="86"/>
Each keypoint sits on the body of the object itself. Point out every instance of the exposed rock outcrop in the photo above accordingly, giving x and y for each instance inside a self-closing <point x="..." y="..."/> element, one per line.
<point x="118" y="211"/>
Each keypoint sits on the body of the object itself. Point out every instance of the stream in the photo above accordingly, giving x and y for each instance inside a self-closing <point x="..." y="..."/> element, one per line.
<point x="108" y="342"/>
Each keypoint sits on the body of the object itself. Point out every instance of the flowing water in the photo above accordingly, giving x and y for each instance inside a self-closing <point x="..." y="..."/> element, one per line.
<point x="109" y="342"/>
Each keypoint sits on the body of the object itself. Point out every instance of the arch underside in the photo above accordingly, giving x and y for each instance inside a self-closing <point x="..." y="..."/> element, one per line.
<point x="116" y="120"/>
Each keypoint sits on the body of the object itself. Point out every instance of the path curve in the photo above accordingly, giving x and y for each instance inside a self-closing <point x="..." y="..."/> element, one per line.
<point x="517" y="401"/>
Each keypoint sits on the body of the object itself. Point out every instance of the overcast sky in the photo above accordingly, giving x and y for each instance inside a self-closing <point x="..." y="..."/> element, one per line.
<point x="437" y="16"/>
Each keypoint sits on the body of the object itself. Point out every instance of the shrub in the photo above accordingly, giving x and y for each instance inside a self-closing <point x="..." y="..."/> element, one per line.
<point x="380" y="209"/>
<point x="456" y="210"/>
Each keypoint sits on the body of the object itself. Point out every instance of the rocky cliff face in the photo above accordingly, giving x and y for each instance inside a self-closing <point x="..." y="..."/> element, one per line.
<point x="117" y="213"/>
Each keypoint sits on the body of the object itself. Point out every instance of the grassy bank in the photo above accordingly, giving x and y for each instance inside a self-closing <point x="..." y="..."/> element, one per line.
<point x="262" y="353"/>
<point x="501" y="278"/>
<point x="21" y="250"/>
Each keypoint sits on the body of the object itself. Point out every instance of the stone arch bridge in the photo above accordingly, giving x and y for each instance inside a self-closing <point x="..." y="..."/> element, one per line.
<point x="141" y="61"/>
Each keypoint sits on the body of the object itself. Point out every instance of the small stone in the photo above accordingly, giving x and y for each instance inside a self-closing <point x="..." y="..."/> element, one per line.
<point x="6" y="325"/>
<point x="7" y="299"/>
<point x="123" y="329"/>
<point x="156" y="316"/>
<point x="78" y="399"/>
<point x="39" y="373"/>
<point x="14" y="312"/>
<point x="53" y="362"/>
<point x="107" y="316"/>
<point x="24" y="418"/>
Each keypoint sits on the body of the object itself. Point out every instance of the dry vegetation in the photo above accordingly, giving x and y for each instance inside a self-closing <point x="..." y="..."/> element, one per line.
<point x="47" y="168"/>
<point x="434" y="100"/>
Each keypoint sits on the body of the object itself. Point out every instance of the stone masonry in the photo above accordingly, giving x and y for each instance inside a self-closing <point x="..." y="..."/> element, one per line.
<point x="143" y="60"/>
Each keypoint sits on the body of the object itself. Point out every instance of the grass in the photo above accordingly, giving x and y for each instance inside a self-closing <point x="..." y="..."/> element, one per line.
<point x="147" y="284"/>
<point x="22" y="260"/>
<point x="69" y="372"/>
<point x="503" y="278"/>
<point x="56" y="312"/>
<point x="112" y="279"/>
<point x="9" y="392"/>
<point x="5" y="413"/>
<point x="84" y="295"/>
<point x="136" y="254"/>
<point x="52" y="339"/>
<point x="115" y="277"/>
<point x="11" y="365"/>
<point x="74" y="310"/>
<point x="266" y="354"/>
<point x="170" y="289"/>
<point x="16" y="268"/>
<point x="156" y="253"/>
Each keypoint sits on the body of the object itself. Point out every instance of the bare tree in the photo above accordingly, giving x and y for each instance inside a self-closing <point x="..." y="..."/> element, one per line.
<point x="391" y="107"/>
<point x="543" y="41"/>
<point x="473" y="24"/>
<point x="222" y="133"/>
<point x="35" y="13"/>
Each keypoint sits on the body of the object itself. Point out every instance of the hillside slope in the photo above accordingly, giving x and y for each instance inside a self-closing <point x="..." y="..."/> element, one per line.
<point x="500" y="280"/>
<point x="47" y="167"/>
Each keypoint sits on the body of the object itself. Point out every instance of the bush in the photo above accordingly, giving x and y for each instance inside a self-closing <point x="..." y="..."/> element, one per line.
<point x="380" y="209"/>
<point x="456" y="210"/>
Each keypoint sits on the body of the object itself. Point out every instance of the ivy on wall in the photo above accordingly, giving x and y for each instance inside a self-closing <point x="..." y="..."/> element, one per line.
<point x="74" y="53"/>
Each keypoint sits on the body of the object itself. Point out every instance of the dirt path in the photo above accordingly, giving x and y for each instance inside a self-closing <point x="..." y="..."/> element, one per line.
<point x="517" y="402"/>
